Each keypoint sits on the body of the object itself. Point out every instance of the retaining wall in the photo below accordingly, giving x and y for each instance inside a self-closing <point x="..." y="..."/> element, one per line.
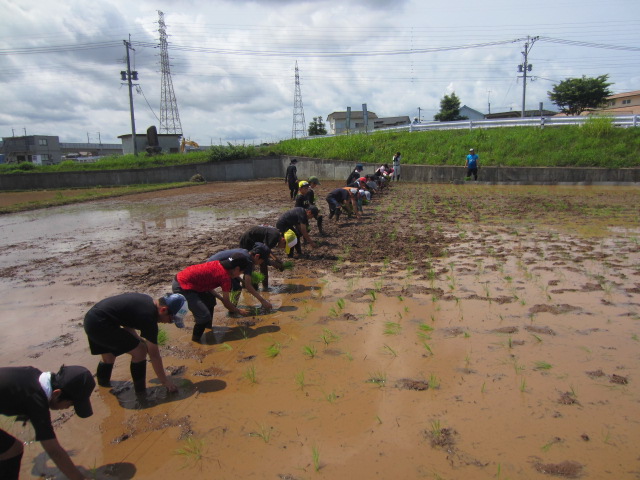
<point x="275" y="167"/>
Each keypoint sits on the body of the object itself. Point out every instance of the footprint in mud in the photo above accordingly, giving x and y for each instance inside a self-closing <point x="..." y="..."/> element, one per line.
<point x="409" y="384"/>
<point x="567" y="469"/>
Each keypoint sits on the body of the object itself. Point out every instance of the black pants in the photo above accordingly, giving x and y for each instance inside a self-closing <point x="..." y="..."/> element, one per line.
<point x="472" y="171"/>
<point x="293" y="189"/>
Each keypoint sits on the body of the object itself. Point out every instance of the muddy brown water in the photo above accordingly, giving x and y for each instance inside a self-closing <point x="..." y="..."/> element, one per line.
<point x="455" y="332"/>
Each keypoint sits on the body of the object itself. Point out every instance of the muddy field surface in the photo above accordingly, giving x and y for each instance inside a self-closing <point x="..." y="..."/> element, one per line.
<point x="454" y="332"/>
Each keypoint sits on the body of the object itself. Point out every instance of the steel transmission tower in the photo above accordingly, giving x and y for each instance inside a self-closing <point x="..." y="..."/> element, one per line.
<point x="299" y="129"/>
<point x="169" y="116"/>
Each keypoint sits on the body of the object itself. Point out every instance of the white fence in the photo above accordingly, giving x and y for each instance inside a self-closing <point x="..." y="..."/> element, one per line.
<point x="624" y="121"/>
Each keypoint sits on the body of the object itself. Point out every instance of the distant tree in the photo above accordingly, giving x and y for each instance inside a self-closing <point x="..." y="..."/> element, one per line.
<point x="449" y="109"/>
<point x="317" y="127"/>
<point x="575" y="95"/>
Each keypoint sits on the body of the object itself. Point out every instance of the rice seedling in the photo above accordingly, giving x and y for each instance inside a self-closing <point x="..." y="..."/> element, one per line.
<point x="250" y="374"/>
<point x="315" y="454"/>
<point x="541" y="365"/>
<point x="328" y="336"/>
<point x="309" y="350"/>
<point x="288" y="265"/>
<point x="370" y="312"/>
<point x="436" y="428"/>
<point x="433" y="382"/>
<point x="523" y="385"/>
<point x="234" y="296"/>
<point x="192" y="450"/>
<point x="349" y="356"/>
<point x="300" y="379"/>
<point x="340" y="303"/>
<point x="224" y="347"/>
<point x="333" y="312"/>
<point x="377" y="285"/>
<point x="537" y="337"/>
<point x="264" y="433"/>
<point x="373" y="295"/>
<point x="390" y="350"/>
<point x="401" y="298"/>
<point x="484" y="387"/>
<point x="392" y="328"/>
<point x="331" y="397"/>
<point x="517" y="366"/>
<point x="378" y="378"/>
<point x="466" y="334"/>
<point x="273" y="350"/>
<point x="256" y="277"/>
<point x="163" y="337"/>
<point x="427" y="348"/>
<point x="634" y="337"/>
<point x="379" y="419"/>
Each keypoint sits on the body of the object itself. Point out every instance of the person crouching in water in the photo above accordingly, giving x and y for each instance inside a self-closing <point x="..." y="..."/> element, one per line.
<point x="111" y="326"/>
<point x="198" y="282"/>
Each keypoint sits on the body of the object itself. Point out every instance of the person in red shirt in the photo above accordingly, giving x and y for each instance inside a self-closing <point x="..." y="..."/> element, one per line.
<point x="198" y="282"/>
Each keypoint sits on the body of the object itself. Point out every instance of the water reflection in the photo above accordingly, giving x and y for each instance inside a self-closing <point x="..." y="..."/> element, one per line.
<point x="47" y="232"/>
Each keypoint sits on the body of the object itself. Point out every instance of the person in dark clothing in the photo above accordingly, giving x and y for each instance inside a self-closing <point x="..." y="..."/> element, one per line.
<point x="357" y="173"/>
<point x="272" y="238"/>
<point x="306" y="198"/>
<point x="111" y="326"/>
<point x="297" y="220"/>
<point x="198" y="282"/>
<point x="258" y="255"/>
<point x="339" y="197"/>
<point x="30" y="394"/>
<point x="291" y="178"/>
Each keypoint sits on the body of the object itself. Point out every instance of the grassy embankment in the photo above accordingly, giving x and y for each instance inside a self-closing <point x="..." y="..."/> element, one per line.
<point x="596" y="144"/>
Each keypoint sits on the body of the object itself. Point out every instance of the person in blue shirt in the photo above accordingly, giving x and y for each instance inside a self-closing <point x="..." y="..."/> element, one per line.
<point x="472" y="165"/>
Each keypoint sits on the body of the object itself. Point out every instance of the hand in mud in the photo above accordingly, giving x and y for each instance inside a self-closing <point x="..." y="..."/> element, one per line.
<point x="243" y="311"/>
<point x="171" y="387"/>
<point x="278" y="264"/>
<point x="267" y="305"/>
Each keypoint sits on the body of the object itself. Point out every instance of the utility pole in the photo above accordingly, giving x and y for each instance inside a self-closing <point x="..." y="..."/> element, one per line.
<point x="128" y="76"/>
<point x="525" y="67"/>
<point x="489" y="101"/>
<point x="419" y="115"/>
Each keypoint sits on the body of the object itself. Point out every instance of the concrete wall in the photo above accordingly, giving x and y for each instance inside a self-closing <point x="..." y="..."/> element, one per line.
<point x="275" y="167"/>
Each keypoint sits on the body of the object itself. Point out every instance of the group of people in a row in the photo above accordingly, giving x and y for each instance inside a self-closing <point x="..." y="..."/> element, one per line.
<point x="128" y="323"/>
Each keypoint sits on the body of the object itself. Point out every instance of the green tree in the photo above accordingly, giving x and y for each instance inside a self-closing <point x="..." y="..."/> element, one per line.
<point x="449" y="109"/>
<point x="575" y="95"/>
<point x="317" y="127"/>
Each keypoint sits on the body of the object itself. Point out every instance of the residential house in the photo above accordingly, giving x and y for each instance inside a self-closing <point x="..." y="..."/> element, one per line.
<point x="388" y="122"/>
<point x="621" y="104"/>
<point x="38" y="149"/>
<point x="518" y="114"/>
<point x="337" y="122"/>
<point x="470" y="113"/>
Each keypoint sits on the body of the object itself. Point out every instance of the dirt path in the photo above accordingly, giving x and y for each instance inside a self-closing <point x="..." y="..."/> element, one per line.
<point x="455" y="332"/>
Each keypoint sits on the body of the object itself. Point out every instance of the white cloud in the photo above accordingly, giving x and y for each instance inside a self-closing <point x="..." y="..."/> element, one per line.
<point x="232" y="63"/>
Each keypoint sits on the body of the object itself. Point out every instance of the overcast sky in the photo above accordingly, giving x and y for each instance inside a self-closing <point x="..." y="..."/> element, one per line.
<point x="233" y="62"/>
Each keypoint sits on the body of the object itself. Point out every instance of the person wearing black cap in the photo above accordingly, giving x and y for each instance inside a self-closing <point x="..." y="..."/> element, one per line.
<point x="111" y="326"/>
<point x="272" y="238"/>
<point x="258" y="255"/>
<point x="198" y="282"/>
<point x="297" y="220"/>
<point x="30" y="394"/>
<point x="291" y="177"/>
<point x="357" y="173"/>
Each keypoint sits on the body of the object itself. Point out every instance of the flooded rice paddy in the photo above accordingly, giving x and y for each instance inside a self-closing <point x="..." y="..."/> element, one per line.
<point x="455" y="332"/>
